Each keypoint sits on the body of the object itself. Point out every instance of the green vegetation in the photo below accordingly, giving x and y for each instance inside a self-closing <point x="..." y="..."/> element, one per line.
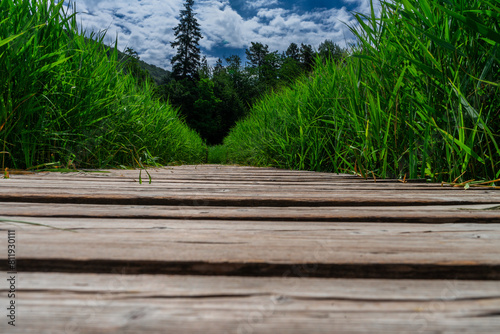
<point x="64" y="98"/>
<point x="418" y="97"/>
<point x="214" y="99"/>
<point x="186" y="62"/>
<point x="217" y="154"/>
<point x="131" y="58"/>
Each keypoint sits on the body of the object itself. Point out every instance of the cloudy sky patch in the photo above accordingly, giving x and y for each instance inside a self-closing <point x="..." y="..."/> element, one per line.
<point x="228" y="26"/>
<point x="261" y="3"/>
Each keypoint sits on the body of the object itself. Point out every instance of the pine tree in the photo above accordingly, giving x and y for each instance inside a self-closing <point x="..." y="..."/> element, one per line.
<point x="307" y="56"/>
<point x="328" y="50"/>
<point x="186" y="62"/>
<point x="293" y="52"/>
<point x="256" y="54"/>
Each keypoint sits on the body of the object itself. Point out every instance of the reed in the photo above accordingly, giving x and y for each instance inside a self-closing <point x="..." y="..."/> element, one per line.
<point x="417" y="97"/>
<point x="65" y="100"/>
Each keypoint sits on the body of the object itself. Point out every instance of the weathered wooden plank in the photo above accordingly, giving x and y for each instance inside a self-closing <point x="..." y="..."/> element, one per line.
<point x="290" y="286"/>
<point x="481" y="214"/>
<point x="214" y="222"/>
<point x="232" y="186"/>
<point x="193" y="169"/>
<point x="211" y="184"/>
<point x="130" y="184"/>
<point x="256" y="314"/>
<point x="163" y="175"/>
<point x="206" y="173"/>
<point x="214" y="184"/>
<point x="246" y="315"/>
<point x="230" y="248"/>
<point x="53" y="303"/>
<point x="228" y="198"/>
<point x="219" y="227"/>
<point x="298" y="179"/>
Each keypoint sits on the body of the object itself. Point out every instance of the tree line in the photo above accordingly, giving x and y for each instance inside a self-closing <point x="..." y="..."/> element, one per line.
<point x="212" y="99"/>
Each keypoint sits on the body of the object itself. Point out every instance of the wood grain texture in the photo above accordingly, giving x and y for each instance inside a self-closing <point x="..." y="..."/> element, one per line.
<point x="433" y="214"/>
<point x="230" y="249"/>
<point x="315" y="249"/>
<point x="232" y="186"/>
<point x="86" y="303"/>
<point x="264" y="198"/>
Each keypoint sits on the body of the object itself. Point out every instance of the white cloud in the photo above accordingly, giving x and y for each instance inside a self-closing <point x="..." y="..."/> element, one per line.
<point x="223" y="24"/>
<point x="253" y="4"/>
<point x="146" y="25"/>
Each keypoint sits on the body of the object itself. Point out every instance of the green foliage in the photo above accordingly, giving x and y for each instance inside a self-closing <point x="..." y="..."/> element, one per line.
<point x="290" y="70"/>
<point x="235" y="88"/>
<point x="208" y="120"/>
<point x="157" y="74"/>
<point x="293" y="52"/>
<point x="419" y="96"/>
<point x="217" y="154"/>
<point x="64" y="99"/>
<point x="307" y="57"/>
<point x="257" y="54"/>
<point x="131" y="61"/>
<point x="187" y="36"/>
<point x="328" y="50"/>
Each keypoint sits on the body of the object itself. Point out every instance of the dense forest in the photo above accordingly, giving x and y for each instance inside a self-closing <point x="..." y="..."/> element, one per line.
<point x="217" y="97"/>
<point x="213" y="98"/>
<point x="417" y="96"/>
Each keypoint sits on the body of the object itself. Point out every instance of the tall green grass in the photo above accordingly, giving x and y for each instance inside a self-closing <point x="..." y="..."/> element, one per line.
<point x="64" y="98"/>
<point x="418" y="96"/>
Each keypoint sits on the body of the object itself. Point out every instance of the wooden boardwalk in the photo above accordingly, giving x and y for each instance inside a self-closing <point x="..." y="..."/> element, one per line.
<point x="226" y="249"/>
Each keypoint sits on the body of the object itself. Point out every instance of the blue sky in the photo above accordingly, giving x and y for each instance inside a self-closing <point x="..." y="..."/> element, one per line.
<point x="228" y="26"/>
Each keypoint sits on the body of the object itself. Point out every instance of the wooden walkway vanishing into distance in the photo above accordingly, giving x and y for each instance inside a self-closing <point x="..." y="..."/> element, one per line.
<point x="227" y="249"/>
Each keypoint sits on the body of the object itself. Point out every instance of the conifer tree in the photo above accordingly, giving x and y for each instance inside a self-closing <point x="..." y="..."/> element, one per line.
<point x="307" y="56"/>
<point x="328" y="50"/>
<point x="256" y="54"/>
<point x="293" y="52"/>
<point x="186" y="62"/>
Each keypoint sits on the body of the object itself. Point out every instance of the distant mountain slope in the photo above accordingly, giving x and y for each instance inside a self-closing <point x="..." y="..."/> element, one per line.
<point x="157" y="73"/>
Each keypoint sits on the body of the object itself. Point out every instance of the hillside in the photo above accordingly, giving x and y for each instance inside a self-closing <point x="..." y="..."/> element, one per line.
<point x="157" y="73"/>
